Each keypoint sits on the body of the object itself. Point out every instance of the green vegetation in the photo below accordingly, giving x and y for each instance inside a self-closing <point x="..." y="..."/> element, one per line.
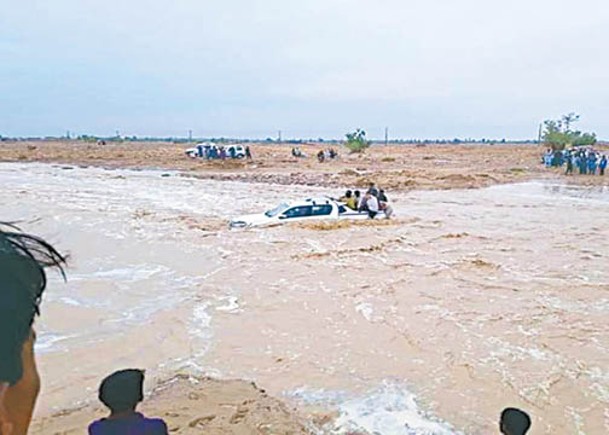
<point x="356" y="141"/>
<point x="557" y="134"/>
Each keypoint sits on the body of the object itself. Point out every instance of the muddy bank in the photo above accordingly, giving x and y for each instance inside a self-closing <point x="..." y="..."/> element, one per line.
<point x="191" y="405"/>
<point x="404" y="167"/>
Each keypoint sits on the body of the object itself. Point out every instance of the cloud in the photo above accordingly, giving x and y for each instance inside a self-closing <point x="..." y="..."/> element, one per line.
<point x="433" y="68"/>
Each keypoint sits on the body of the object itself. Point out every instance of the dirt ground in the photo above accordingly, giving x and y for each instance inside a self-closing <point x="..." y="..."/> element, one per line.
<point x="403" y="167"/>
<point x="197" y="405"/>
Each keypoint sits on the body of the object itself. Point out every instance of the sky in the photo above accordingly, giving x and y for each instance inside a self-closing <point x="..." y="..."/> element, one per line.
<point x="310" y="68"/>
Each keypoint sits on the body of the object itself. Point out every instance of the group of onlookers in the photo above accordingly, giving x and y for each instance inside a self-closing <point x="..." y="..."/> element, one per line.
<point x="329" y="154"/>
<point x="372" y="202"/>
<point x="213" y="152"/>
<point x="23" y="260"/>
<point x="322" y="155"/>
<point x="586" y="161"/>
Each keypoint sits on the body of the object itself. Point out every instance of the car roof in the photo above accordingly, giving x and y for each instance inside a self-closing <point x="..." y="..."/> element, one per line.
<point x="309" y="201"/>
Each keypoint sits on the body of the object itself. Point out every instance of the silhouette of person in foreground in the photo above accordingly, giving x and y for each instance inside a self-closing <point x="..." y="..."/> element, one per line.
<point x="23" y="258"/>
<point x="514" y="422"/>
<point x="121" y="392"/>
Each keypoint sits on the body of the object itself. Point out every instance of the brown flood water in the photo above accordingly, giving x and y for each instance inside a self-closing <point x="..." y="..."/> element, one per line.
<point x="471" y="301"/>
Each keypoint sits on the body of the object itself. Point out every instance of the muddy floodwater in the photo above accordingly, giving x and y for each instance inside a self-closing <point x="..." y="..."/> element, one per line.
<point x="470" y="301"/>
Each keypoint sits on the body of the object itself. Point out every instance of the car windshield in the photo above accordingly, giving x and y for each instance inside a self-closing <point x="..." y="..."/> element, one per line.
<point x="277" y="210"/>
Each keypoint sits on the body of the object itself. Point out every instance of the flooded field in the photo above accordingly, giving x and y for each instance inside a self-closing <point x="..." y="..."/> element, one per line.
<point x="471" y="301"/>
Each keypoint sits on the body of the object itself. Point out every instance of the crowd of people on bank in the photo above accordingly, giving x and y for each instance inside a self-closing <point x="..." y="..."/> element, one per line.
<point x="329" y="154"/>
<point x="23" y="260"/>
<point x="214" y="152"/>
<point x="373" y="201"/>
<point x="322" y="155"/>
<point x="586" y="161"/>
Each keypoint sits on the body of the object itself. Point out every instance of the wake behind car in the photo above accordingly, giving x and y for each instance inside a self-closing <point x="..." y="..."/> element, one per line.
<point x="299" y="211"/>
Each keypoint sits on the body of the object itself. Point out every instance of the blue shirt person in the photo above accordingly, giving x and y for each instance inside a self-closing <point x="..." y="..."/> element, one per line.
<point x="121" y="392"/>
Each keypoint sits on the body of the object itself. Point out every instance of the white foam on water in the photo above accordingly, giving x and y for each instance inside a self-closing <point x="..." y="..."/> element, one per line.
<point x="231" y="306"/>
<point x="365" y="309"/>
<point x="390" y="409"/>
<point x="70" y="301"/>
<point x="200" y="328"/>
<point x="48" y="341"/>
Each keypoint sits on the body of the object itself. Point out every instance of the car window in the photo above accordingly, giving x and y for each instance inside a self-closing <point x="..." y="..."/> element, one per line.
<point x="277" y="210"/>
<point x="295" y="212"/>
<point x="322" y="210"/>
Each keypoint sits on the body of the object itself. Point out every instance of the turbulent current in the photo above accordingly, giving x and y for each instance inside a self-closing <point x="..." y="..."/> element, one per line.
<point x="468" y="302"/>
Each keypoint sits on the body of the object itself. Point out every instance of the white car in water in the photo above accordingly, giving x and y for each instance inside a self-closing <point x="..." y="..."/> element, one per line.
<point x="300" y="211"/>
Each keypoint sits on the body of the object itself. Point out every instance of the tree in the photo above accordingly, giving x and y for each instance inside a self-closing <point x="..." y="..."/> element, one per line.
<point x="557" y="134"/>
<point x="569" y="119"/>
<point x="356" y="141"/>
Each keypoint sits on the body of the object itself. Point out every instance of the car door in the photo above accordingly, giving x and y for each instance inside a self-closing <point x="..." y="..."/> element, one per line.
<point x="301" y="212"/>
<point x="321" y="211"/>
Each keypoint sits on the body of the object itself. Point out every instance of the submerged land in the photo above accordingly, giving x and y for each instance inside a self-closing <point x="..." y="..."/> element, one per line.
<point x="462" y="301"/>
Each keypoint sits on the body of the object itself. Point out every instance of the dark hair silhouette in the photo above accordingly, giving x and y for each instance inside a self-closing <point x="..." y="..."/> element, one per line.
<point x="514" y="422"/>
<point x="23" y="258"/>
<point x="122" y="390"/>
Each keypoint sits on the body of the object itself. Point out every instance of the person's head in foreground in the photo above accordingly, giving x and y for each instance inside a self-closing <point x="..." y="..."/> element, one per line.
<point x="23" y="259"/>
<point x="514" y="422"/>
<point x="121" y="392"/>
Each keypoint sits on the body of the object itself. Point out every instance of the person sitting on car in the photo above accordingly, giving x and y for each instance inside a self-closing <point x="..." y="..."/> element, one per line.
<point x="384" y="205"/>
<point x="382" y="197"/>
<point x="349" y="200"/>
<point x="372" y="190"/>
<point x="372" y="205"/>
<point x="359" y="201"/>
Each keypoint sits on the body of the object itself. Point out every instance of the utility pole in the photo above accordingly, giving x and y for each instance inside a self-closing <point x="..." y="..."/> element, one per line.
<point x="386" y="136"/>
<point x="279" y="136"/>
<point x="189" y="135"/>
<point x="539" y="134"/>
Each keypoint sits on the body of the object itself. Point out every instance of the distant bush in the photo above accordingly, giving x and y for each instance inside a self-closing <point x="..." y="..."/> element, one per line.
<point x="558" y="134"/>
<point x="356" y="141"/>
